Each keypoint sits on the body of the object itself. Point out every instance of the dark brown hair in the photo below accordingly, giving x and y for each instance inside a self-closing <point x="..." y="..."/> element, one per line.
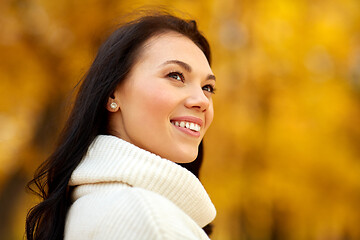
<point x="88" y="117"/>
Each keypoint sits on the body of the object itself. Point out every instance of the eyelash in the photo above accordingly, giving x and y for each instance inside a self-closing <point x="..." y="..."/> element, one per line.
<point x="177" y="74"/>
<point x="181" y="75"/>
<point x="212" y="89"/>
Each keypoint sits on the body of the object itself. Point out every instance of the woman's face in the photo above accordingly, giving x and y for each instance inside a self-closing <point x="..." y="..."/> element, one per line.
<point x="165" y="104"/>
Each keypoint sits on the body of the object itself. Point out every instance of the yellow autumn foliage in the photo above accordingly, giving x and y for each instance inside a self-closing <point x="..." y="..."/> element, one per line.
<point x="283" y="153"/>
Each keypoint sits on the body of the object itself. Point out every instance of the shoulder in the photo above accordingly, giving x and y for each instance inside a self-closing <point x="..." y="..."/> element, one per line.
<point x="129" y="213"/>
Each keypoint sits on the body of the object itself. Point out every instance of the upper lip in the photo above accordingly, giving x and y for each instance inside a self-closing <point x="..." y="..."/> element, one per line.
<point x="192" y="119"/>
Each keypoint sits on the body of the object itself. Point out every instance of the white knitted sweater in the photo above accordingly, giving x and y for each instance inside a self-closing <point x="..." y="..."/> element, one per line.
<point x="125" y="192"/>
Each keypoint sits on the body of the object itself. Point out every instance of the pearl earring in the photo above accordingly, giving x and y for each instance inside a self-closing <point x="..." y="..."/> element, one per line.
<point x="113" y="105"/>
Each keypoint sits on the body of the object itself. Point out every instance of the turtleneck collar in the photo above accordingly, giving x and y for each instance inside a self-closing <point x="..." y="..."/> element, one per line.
<point x="110" y="159"/>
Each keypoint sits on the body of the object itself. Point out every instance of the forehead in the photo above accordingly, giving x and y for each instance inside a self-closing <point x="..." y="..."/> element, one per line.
<point x="173" y="46"/>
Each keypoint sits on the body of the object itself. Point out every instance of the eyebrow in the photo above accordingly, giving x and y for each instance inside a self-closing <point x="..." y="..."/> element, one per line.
<point x="187" y="67"/>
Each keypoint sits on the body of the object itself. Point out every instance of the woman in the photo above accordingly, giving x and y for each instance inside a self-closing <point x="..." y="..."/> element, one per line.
<point x="141" y="113"/>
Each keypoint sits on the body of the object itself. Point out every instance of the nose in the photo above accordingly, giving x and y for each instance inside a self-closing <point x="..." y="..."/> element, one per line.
<point x="197" y="99"/>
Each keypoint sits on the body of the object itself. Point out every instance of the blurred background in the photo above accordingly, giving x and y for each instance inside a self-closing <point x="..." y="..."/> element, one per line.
<point x="283" y="153"/>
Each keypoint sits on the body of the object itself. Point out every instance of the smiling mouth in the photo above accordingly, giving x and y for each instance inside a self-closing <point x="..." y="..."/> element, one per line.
<point x="188" y="125"/>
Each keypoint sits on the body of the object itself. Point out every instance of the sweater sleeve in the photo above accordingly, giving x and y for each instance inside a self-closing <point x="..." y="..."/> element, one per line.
<point x="131" y="213"/>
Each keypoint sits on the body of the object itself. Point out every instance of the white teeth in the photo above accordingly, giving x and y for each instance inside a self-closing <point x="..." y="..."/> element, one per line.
<point x="189" y="125"/>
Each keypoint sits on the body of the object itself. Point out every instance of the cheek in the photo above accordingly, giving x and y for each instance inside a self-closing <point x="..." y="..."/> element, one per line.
<point x="156" y="101"/>
<point x="209" y="115"/>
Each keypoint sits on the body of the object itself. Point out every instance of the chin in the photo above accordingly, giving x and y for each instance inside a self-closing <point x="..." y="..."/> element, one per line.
<point x="185" y="157"/>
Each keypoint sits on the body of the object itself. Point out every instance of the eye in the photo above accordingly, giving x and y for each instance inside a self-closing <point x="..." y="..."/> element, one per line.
<point x="209" y="88"/>
<point x="177" y="76"/>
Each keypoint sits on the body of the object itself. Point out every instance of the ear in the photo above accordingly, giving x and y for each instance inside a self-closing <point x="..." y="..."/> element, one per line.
<point x="112" y="105"/>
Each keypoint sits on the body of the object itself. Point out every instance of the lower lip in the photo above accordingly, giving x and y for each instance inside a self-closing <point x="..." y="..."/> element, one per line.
<point x="188" y="131"/>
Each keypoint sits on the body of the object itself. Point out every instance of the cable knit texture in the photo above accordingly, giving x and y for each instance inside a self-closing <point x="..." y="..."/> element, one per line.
<point x="125" y="192"/>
